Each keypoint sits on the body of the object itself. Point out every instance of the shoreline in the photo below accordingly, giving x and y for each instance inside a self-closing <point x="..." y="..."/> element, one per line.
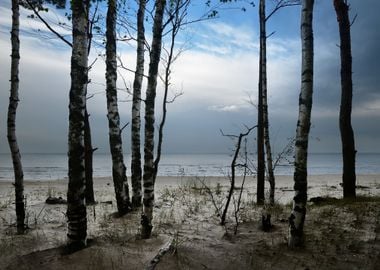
<point x="318" y="185"/>
<point x="162" y="180"/>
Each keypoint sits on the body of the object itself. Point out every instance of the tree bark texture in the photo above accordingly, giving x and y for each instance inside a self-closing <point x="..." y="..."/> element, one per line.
<point x="297" y="216"/>
<point x="149" y="170"/>
<point x="11" y="121"/>
<point x="89" y="153"/>
<point x="76" y="205"/>
<point x="260" y="119"/>
<point x="346" y="131"/>
<point x="136" y="171"/>
<point x="118" y="166"/>
<point x="264" y="85"/>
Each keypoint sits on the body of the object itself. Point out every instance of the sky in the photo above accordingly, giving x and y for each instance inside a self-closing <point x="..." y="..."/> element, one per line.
<point x="218" y="75"/>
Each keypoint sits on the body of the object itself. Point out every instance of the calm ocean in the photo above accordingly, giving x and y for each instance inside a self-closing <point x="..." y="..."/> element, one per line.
<point x="54" y="166"/>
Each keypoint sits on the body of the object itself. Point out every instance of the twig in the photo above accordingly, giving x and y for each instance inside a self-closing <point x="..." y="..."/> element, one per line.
<point x="121" y="130"/>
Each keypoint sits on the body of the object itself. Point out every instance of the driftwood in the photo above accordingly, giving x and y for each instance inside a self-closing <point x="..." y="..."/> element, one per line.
<point x="55" y="200"/>
<point x="165" y="249"/>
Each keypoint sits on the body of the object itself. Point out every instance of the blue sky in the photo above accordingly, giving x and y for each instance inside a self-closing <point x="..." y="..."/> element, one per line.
<point x="218" y="73"/>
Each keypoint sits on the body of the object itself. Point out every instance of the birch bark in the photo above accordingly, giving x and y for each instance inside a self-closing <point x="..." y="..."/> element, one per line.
<point x="136" y="108"/>
<point x="346" y="131"/>
<point x="118" y="167"/>
<point x="297" y="216"/>
<point x="149" y="170"/>
<point x="76" y="205"/>
<point x="11" y="121"/>
<point x="264" y="85"/>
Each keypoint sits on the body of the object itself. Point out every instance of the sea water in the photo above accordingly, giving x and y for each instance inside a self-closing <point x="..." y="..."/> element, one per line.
<point x="54" y="166"/>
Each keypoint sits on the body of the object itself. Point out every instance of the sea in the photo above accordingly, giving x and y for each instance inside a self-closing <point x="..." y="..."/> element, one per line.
<point x="54" y="166"/>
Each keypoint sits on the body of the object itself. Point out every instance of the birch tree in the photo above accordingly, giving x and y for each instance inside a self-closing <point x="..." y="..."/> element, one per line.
<point x="76" y="205"/>
<point x="263" y="88"/>
<point x="346" y="131"/>
<point x="149" y="170"/>
<point x="118" y="167"/>
<point x="36" y="7"/>
<point x="177" y="13"/>
<point x="136" y="108"/>
<point x="11" y="121"/>
<point x="297" y="216"/>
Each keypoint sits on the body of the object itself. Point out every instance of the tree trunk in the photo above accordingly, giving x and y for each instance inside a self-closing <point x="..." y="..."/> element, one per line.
<point x="76" y="206"/>
<point x="118" y="167"/>
<point x="89" y="153"/>
<point x="149" y="170"/>
<point x="297" y="217"/>
<point x="11" y="122"/>
<point x="136" y="108"/>
<point x="174" y="31"/>
<point x="260" y="120"/>
<point x="346" y="132"/>
<point x="263" y="72"/>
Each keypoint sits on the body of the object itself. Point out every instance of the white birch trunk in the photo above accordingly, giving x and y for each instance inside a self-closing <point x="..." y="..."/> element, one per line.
<point x="136" y="108"/>
<point x="118" y="167"/>
<point x="297" y="217"/>
<point x="11" y="121"/>
<point x="149" y="170"/>
<point x="76" y="205"/>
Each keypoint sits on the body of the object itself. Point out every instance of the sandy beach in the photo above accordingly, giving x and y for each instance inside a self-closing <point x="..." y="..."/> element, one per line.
<point x="186" y="217"/>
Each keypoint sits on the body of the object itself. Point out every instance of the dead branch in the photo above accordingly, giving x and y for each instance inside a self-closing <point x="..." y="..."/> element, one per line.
<point x="233" y="167"/>
<point x="238" y="203"/>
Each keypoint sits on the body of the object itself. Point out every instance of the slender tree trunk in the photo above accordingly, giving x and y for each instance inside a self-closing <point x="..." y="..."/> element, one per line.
<point x="260" y="113"/>
<point x="89" y="153"/>
<point x="136" y="108"/>
<point x="173" y="34"/>
<point x="11" y="122"/>
<point x="118" y="167"/>
<point x="149" y="170"/>
<point x="263" y="72"/>
<point x="76" y="205"/>
<point x="89" y="150"/>
<point x="297" y="216"/>
<point x="346" y="131"/>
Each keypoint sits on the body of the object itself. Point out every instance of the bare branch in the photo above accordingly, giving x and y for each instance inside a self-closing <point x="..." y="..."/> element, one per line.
<point x="271" y="34"/>
<point x="354" y="19"/>
<point x="92" y="64"/>
<point x="281" y="4"/>
<point x="128" y="69"/>
<point x="176" y="95"/>
<point x="121" y="130"/>
<point x="32" y="7"/>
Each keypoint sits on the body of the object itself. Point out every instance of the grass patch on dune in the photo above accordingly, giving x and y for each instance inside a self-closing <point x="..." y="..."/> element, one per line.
<point x="323" y="201"/>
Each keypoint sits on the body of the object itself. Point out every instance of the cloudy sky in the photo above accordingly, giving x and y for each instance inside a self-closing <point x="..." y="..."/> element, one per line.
<point x="218" y="74"/>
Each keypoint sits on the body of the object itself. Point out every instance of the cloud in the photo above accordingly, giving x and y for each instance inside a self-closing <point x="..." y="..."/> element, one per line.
<point x="228" y="108"/>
